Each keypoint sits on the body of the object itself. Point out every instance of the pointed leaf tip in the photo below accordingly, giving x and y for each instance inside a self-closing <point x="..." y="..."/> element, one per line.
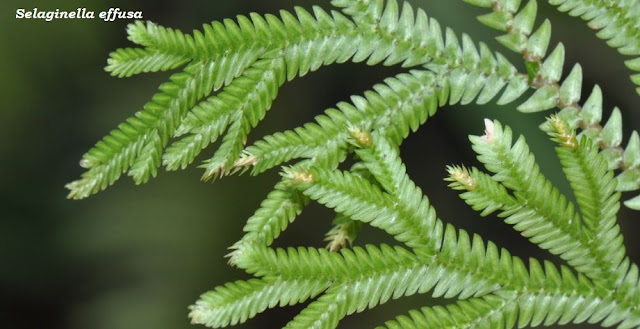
<point x="612" y="132"/>
<point x="592" y="109"/>
<point x="632" y="152"/>
<point x="543" y="99"/>
<point x="497" y="20"/>
<point x="571" y="88"/>
<point x="525" y="19"/>
<point x="633" y="203"/>
<point x="551" y="70"/>
<point x="539" y="41"/>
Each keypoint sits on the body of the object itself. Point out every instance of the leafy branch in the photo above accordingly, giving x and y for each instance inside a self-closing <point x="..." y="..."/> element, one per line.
<point x="233" y="71"/>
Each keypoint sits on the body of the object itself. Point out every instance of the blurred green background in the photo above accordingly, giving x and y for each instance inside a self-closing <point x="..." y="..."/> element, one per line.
<point x="136" y="257"/>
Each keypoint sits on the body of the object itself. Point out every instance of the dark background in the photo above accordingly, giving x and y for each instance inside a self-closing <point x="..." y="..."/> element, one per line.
<point x="136" y="257"/>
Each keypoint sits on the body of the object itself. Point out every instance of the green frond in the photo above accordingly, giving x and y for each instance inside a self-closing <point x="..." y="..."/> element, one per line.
<point x="323" y="313"/>
<point x="244" y="61"/>
<point x="401" y="104"/>
<point x="398" y="106"/>
<point x="321" y="264"/>
<point x="594" y="189"/>
<point x="556" y="302"/>
<point x="217" y="40"/>
<point x="381" y="159"/>
<point x="345" y="192"/>
<point x="148" y="161"/>
<point x="135" y="143"/>
<point x="248" y="102"/>
<point x="407" y="215"/>
<point x="345" y="230"/>
<point x="331" y="37"/>
<point x="126" y="62"/>
<point x="617" y="22"/>
<point x="488" y="312"/>
<point x="209" y="119"/>
<point x="364" y="277"/>
<point x="413" y="223"/>
<point x="518" y="24"/>
<point x="182" y="152"/>
<point x="572" y="298"/>
<point x="235" y="302"/>
<point x="293" y="37"/>
<point x="482" y="192"/>
<point x="609" y="138"/>
<point x="546" y="217"/>
<point x="276" y="212"/>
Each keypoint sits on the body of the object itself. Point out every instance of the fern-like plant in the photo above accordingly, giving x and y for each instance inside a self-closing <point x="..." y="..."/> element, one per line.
<point x="233" y="70"/>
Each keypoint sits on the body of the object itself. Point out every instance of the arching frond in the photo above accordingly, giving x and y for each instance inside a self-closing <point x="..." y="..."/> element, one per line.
<point x="244" y="61"/>
<point x="398" y="106"/>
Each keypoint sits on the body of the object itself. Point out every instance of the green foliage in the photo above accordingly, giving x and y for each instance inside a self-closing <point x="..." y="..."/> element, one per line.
<point x="233" y="71"/>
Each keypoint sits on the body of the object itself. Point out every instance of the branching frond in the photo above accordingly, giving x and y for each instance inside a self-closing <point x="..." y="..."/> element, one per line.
<point x="398" y="106"/>
<point x="245" y="61"/>
<point x="545" y="76"/>
<point x="363" y="277"/>
<point x="138" y="142"/>
<point x="402" y="103"/>
<point x="249" y="103"/>
<point x="546" y="217"/>
<point x="525" y="308"/>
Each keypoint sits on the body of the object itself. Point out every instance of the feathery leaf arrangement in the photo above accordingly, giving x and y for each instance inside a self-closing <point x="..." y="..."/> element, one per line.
<point x="233" y="70"/>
